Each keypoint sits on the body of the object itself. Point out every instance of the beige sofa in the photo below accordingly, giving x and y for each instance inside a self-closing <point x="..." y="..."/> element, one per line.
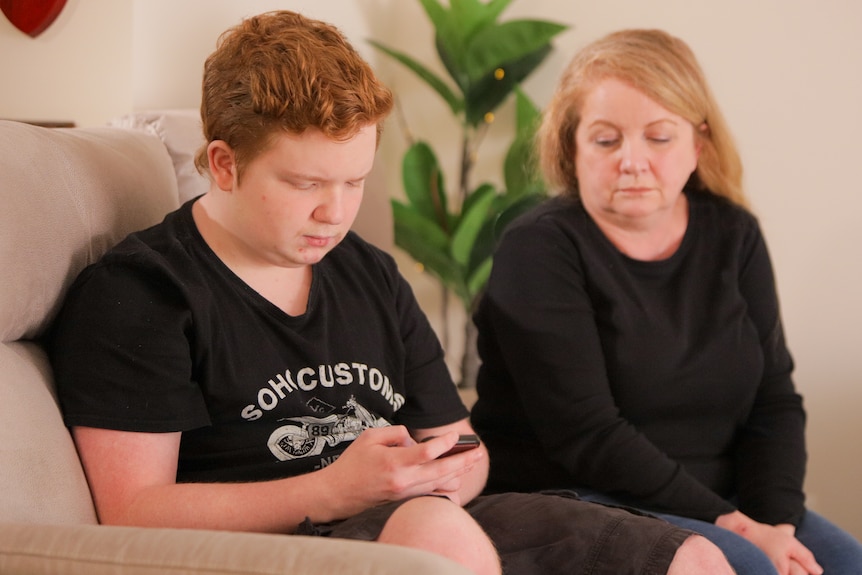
<point x="65" y="197"/>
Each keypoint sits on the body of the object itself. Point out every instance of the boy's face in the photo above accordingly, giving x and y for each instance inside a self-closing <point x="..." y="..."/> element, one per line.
<point x="298" y="199"/>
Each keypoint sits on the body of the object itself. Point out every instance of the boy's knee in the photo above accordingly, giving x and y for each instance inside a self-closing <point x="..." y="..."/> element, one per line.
<point x="698" y="554"/>
<point x="437" y="525"/>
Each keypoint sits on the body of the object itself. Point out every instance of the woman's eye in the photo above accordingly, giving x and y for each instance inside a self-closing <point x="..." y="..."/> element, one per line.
<point x="607" y="142"/>
<point x="659" y="139"/>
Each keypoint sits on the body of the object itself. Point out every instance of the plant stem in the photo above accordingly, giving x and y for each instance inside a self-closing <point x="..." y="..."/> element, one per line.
<point x="466" y="167"/>
<point x="444" y="314"/>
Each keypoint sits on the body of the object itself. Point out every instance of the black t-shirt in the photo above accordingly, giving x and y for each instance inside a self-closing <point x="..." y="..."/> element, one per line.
<point x="667" y="384"/>
<point x="160" y="336"/>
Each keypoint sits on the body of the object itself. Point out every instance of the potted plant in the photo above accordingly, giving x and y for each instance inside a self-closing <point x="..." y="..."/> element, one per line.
<point x="452" y="233"/>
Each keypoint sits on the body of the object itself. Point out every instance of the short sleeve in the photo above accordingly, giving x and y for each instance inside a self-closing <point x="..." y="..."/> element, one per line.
<point x="120" y="352"/>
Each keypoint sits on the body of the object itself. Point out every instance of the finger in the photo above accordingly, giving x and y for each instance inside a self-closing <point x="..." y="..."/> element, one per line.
<point x="449" y="486"/>
<point x="442" y="473"/>
<point x="432" y="448"/>
<point x="804" y="558"/>
<point x="797" y="569"/>
<point x="807" y="566"/>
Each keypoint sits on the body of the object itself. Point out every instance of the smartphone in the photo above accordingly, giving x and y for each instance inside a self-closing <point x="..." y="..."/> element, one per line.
<point x="465" y="443"/>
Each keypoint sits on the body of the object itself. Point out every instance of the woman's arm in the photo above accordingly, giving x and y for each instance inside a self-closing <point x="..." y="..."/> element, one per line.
<point x="771" y="453"/>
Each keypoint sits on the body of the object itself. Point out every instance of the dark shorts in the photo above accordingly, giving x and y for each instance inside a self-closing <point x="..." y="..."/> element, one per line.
<point x="548" y="533"/>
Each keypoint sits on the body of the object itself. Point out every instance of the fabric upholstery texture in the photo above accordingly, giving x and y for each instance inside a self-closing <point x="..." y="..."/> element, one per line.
<point x="94" y="550"/>
<point x="68" y="195"/>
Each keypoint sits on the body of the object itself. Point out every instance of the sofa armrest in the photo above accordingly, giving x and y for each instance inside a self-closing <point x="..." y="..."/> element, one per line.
<point x="96" y="550"/>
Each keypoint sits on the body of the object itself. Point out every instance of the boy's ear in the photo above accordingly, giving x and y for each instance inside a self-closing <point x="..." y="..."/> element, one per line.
<point x="222" y="164"/>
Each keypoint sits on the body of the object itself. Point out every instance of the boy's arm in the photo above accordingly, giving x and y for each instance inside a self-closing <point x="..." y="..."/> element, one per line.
<point x="132" y="476"/>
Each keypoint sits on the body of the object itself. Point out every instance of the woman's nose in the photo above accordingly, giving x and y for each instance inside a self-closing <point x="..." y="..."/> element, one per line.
<point x="633" y="158"/>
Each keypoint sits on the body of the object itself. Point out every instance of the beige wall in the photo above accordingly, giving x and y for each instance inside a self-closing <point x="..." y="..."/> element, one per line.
<point x="78" y="69"/>
<point x="788" y="74"/>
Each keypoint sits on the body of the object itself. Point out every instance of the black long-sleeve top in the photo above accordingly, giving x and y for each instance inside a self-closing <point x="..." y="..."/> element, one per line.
<point x="666" y="384"/>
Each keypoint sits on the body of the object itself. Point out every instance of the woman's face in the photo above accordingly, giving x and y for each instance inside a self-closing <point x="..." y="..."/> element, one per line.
<point x="632" y="156"/>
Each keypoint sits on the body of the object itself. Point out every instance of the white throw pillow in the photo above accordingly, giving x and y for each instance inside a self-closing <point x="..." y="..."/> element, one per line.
<point x="182" y="134"/>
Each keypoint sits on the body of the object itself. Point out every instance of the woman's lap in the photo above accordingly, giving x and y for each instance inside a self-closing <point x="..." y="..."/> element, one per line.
<point x="835" y="549"/>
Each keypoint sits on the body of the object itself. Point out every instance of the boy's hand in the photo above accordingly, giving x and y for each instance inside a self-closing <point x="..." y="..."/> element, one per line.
<point x="386" y="464"/>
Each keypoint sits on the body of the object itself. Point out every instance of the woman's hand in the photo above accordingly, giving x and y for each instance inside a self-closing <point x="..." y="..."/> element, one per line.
<point x="778" y="542"/>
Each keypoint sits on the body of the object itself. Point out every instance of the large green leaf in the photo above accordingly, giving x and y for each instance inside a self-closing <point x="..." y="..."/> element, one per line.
<point x="520" y="167"/>
<point x="467" y="19"/>
<point x="425" y="242"/>
<point x="439" y="16"/>
<point x="474" y="15"/>
<point x="447" y="30"/>
<point x="471" y="223"/>
<point x="477" y="280"/>
<point x="424" y="185"/>
<point x="519" y="206"/>
<point x="490" y="91"/>
<point x="527" y="115"/>
<point x="449" y="55"/>
<point x="505" y="208"/>
<point x="486" y="241"/>
<point x="476" y="195"/>
<point x="493" y="46"/>
<point x="455" y="102"/>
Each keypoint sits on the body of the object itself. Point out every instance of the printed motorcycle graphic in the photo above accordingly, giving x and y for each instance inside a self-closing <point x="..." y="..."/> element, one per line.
<point x="308" y="436"/>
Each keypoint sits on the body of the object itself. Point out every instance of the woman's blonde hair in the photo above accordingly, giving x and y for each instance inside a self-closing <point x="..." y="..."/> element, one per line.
<point x="665" y="69"/>
<point x="283" y="72"/>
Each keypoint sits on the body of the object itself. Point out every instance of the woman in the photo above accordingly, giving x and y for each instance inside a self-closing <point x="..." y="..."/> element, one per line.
<point x="631" y="339"/>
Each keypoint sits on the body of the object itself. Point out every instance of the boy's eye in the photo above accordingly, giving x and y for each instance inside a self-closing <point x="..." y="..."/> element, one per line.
<point x="303" y="185"/>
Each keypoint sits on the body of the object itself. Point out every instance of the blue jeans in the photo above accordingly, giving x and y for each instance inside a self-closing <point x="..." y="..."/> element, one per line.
<point x="838" y="552"/>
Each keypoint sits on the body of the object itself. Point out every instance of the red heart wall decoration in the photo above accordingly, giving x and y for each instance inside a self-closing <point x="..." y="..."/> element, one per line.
<point x="32" y="16"/>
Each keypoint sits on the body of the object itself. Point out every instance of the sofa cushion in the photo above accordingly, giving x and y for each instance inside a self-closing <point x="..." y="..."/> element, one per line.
<point x="42" y="480"/>
<point x="67" y="196"/>
<point x="99" y="550"/>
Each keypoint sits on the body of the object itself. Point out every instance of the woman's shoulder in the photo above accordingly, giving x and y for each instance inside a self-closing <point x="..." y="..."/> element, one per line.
<point x="719" y="205"/>
<point x="706" y="204"/>
<point x="554" y="213"/>
<point x="557" y="229"/>
<point x="719" y="221"/>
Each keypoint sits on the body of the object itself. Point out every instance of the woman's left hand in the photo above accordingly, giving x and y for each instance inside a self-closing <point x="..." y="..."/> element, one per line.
<point x="779" y="542"/>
